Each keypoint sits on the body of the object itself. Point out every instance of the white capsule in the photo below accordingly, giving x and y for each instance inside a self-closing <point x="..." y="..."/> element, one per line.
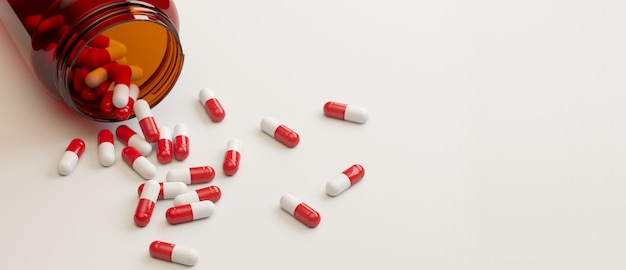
<point x="139" y="163"/>
<point x="139" y="143"/>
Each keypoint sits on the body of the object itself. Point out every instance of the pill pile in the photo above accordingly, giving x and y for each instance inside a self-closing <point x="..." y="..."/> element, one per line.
<point x="192" y="204"/>
<point x="101" y="75"/>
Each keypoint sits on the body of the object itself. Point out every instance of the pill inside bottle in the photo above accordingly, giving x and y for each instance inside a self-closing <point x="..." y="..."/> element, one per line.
<point x="81" y="50"/>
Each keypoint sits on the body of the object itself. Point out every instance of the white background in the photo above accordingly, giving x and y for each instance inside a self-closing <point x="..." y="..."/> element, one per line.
<point x="497" y="140"/>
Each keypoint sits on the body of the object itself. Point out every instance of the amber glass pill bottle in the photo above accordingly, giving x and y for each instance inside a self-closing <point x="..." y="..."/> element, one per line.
<point x="85" y="51"/>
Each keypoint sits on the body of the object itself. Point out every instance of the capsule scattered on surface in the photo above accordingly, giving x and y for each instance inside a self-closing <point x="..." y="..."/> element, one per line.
<point x="164" y="146"/>
<point x="189" y="212"/>
<point x="106" y="148"/>
<point x="129" y="137"/>
<point x="147" y="201"/>
<point x="147" y="123"/>
<point x="210" y="193"/>
<point x="140" y="164"/>
<point x="345" y="180"/>
<point x="212" y="105"/>
<point x="232" y="157"/>
<point x="280" y="132"/>
<point x="181" y="142"/>
<point x="346" y="112"/>
<point x="301" y="211"/>
<point x="173" y="253"/>
<point x="191" y="176"/>
<point x="167" y="190"/>
<point x="70" y="158"/>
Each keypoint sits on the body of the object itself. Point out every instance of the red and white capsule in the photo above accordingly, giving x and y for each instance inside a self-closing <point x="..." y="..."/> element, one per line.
<point x="210" y="193"/>
<point x="164" y="146"/>
<point x="106" y="104"/>
<point x="173" y="253"/>
<point x="345" y="180"/>
<point x="212" y="105"/>
<point x="147" y="200"/>
<point x="191" y="176"/>
<point x="70" y="158"/>
<point x="280" y="132"/>
<point x="121" y="93"/>
<point x="106" y="148"/>
<point x="190" y="212"/>
<point x="167" y="190"/>
<point x="124" y="113"/>
<point x="232" y="157"/>
<point x="131" y="138"/>
<point x="300" y="210"/>
<point x="181" y="142"/>
<point x="100" y="56"/>
<point x="346" y="112"/>
<point x="146" y="121"/>
<point x="139" y="163"/>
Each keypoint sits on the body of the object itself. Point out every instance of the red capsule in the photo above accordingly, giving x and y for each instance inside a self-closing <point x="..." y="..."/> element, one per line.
<point x="191" y="176"/>
<point x="232" y="156"/>
<point x="147" y="123"/>
<point x="78" y="83"/>
<point x="70" y="158"/>
<point x="212" y="105"/>
<point x="346" y="112"/>
<point x="210" y="193"/>
<point x="173" y="253"/>
<point x="99" y="41"/>
<point x="345" y="180"/>
<point x="100" y="56"/>
<point x="131" y="138"/>
<point x="139" y="163"/>
<point x="181" y="142"/>
<point x="164" y="146"/>
<point x="301" y="211"/>
<point x="147" y="201"/>
<point x="49" y="24"/>
<point x="124" y="113"/>
<point x="106" y="104"/>
<point x="102" y="89"/>
<point x="189" y="212"/>
<point x="280" y="132"/>
<point x="167" y="190"/>
<point x="106" y="148"/>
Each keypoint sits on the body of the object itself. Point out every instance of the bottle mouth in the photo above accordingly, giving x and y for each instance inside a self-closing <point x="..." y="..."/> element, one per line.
<point x="130" y="45"/>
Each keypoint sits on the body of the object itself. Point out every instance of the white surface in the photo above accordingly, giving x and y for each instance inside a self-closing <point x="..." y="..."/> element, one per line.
<point x="497" y="140"/>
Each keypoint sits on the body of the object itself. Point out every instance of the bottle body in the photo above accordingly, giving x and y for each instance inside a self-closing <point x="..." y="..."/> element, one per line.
<point x="80" y="50"/>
